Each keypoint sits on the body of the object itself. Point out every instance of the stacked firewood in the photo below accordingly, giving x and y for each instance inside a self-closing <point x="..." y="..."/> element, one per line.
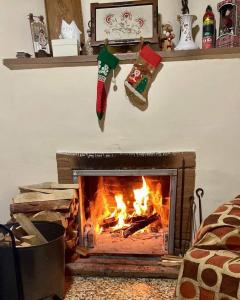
<point x="24" y="235"/>
<point x="51" y="202"/>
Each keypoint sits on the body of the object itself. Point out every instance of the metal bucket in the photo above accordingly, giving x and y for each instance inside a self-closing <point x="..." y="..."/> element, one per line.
<point x="36" y="272"/>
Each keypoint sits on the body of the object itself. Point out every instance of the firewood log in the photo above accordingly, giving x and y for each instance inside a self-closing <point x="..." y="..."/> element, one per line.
<point x="37" y="196"/>
<point x="140" y="225"/>
<point x="30" y="239"/>
<point x="76" y="210"/>
<point x="7" y="238"/>
<point x="136" y="219"/>
<point x="51" y="185"/>
<point x="30" y="228"/>
<point x="109" y="222"/>
<point x="37" y="206"/>
<point x="24" y="244"/>
<point x="50" y="216"/>
<point x="18" y="232"/>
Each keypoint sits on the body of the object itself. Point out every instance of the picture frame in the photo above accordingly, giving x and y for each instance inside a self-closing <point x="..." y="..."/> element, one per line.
<point x="122" y="23"/>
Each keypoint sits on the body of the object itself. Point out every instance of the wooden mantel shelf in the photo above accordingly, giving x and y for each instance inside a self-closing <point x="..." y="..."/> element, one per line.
<point x="126" y="58"/>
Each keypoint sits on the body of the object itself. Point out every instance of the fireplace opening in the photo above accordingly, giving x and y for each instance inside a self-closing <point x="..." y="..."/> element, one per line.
<point x="127" y="213"/>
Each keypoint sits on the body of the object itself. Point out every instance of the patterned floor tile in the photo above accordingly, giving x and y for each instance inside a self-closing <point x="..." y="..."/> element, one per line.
<point x="96" y="288"/>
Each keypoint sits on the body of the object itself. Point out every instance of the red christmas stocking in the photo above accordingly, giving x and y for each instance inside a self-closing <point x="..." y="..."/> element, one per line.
<point x="139" y="80"/>
<point x="106" y="63"/>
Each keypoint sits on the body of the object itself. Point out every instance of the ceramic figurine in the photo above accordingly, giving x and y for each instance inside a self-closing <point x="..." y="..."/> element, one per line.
<point x="167" y="37"/>
<point x="229" y="26"/>
<point x="88" y="47"/>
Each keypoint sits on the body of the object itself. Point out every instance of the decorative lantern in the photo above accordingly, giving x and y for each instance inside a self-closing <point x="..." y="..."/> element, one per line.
<point x="39" y="36"/>
<point x="229" y="27"/>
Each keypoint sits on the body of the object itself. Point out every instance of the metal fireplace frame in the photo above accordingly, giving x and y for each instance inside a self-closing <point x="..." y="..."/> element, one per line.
<point x="172" y="173"/>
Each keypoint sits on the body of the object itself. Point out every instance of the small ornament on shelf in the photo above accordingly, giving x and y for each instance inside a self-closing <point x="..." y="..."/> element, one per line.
<point x="88" y="47"/>
<point x="167" y="37"/>
<point x="229" y="26"/>
<point x="185" y="9"/>
<point x="186" y="41"/>
<point x="21" y="54"/>
<point x="39" y="36"/>
<point x="209" y="29"/>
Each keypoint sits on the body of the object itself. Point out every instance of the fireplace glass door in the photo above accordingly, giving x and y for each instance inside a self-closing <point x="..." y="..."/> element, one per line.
<point x="127" y="211"/>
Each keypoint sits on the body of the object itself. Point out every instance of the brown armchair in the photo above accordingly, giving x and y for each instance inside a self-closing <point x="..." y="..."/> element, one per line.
<point x="211" y="268"/>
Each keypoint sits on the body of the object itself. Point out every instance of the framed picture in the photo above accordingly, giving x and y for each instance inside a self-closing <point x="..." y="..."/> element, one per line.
<point x="124" y="22"/>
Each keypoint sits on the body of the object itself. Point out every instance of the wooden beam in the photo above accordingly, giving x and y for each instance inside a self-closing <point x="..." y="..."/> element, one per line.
<point x="107" y="267"/>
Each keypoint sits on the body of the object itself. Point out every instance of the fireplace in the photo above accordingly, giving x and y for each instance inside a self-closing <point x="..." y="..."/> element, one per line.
<point x="132" y="204"/>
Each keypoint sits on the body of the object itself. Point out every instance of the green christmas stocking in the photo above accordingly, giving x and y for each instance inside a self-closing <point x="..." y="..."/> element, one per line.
<point x="140" y="78"/>
<point x="106" y="63"/>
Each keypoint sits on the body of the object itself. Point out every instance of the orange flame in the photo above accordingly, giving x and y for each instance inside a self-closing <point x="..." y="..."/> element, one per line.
<point x="141" y="199"/>
<point x="121" y="211"/>
<point x="147" y="200"/>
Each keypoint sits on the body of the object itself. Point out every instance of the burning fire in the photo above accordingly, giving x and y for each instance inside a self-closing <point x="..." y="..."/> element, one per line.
<point x="141" y="199"/>
<point x="147" y="206"/>
<point x="120" y="213"/>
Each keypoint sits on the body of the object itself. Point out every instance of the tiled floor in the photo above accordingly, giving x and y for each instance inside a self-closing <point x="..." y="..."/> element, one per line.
<point x="93" y="288"/>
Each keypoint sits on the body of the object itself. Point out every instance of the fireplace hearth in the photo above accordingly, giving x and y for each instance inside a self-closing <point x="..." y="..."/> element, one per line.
<point x="134" y="206"/>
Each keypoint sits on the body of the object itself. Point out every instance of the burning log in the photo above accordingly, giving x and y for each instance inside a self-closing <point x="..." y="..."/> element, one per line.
<point x="140" y="225"/>
<point x="136" y="219"/>
<point x="109" y="222"/>
<point x="119" y="229"/>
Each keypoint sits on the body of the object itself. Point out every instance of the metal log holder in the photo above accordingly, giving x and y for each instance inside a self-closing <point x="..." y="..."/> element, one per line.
<point x="36" y="272"/>
<point x="10" y="287"/>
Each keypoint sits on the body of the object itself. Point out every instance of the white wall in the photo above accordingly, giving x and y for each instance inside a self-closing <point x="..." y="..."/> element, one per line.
<point x="192" y="106"/>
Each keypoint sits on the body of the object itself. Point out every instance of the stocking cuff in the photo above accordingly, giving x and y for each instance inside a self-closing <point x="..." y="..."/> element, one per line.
<point x="150" y="56"/>
<point x="108" y="58"/>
